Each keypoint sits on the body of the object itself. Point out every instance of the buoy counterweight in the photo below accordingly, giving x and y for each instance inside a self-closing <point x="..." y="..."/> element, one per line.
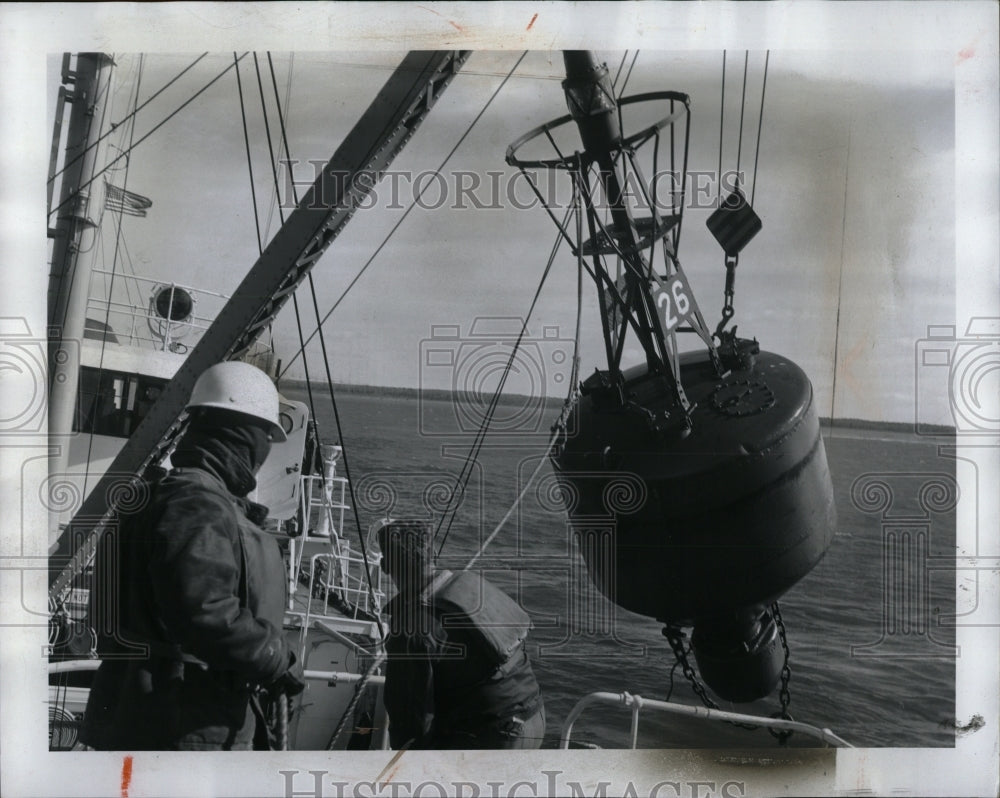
<point x="727" y="518"/>
<point x="733" y="514"/>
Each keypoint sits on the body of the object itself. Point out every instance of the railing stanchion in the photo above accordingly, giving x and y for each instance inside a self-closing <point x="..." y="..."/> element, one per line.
<point x="637" y="703"/>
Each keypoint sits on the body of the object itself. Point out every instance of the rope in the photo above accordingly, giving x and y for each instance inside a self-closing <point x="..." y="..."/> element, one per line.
<point x="517" y="501"/>
<point x="407" y="211"/>
<point x="281" y="217"/>
<point x="477" y="444"/>
<point x="174" y="113"/>
<point x="358" y="692"/>
<point x="253" y="194"/>
<point x="283" y="701"/>
<point x="559" y="428"/>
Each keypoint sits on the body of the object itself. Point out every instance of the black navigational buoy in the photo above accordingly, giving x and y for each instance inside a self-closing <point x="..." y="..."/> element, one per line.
<point x="734" y="513"/>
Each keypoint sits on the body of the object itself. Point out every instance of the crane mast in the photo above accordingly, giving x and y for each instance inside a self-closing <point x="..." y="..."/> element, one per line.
<point x="372" y="144"/>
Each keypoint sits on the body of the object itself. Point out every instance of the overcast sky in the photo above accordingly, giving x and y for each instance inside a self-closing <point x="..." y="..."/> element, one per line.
<point x="855" y="187"/>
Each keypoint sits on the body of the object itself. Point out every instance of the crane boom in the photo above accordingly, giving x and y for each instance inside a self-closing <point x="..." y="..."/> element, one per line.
<point x="380" y="134"/>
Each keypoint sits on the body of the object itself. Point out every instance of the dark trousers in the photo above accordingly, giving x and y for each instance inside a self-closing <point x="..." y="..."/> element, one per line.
<point x="160" y="705"/>
<point x="517" y="733"/>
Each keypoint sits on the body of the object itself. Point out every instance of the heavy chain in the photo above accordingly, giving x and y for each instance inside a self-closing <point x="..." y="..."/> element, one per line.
<point x="730" y="291"/>
<point x="784" y="694"/>
<point x="676" y="639"/>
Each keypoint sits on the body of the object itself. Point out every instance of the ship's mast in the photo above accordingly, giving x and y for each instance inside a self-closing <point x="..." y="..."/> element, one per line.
<point x="77" y="216"/>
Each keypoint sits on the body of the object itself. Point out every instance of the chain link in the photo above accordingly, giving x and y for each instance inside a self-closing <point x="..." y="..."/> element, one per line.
<point x="729" y="293"/>
<point x="676" y="639"/>
<point x="784" y="694"/>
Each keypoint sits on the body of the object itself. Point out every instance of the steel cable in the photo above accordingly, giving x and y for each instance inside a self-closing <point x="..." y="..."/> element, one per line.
<point x="407" y="211"/>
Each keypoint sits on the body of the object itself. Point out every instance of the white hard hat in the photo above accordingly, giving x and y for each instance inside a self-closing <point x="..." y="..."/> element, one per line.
<point x="242" y="388"/>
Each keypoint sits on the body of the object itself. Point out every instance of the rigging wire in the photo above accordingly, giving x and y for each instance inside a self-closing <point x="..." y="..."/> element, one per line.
<point x="760" y="123"/>
<point x="246" y="142"/>
<point x="743" y="106"/>
<point x="722" y="123"/>
<point x="629" y="73"/>
<point x="281" y="215"/>
<point x="129" y="266"/>
<point x="274" y="177"/>
<point x="256" y="214"/>
<point x="407" y="211"/>
<point x="326" y="358"/>
<point x="621" y="64"/>
<point x="114" y="270"/>
<point x="253" y="192"/>
<point x="559" y="428"/>
<point x="170" y="116"/>
<point x="130" y="117"/>
<point x="276" y="199"/>
<point x="472" y="457"/>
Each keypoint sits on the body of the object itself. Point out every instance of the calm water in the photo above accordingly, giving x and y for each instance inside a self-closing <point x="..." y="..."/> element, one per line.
<point x="868" y="661"/>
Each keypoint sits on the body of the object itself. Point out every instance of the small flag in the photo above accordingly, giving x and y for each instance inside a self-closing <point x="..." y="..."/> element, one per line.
<point x="127" y="202"/>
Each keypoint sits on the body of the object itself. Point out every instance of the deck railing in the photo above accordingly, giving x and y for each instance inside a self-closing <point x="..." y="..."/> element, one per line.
<point x="637" y="703"/>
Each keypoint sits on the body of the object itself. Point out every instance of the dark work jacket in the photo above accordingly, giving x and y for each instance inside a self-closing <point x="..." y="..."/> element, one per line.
<point x="203" y="587"/>
<point x="442" y="684"/>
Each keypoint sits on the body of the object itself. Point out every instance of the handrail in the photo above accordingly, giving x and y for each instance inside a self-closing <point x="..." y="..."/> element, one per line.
<point x="338" y="677"/>
<point x="637" y="703"/>
<point x="345" y="677"/>
<point x="155" y="281"/>
<point x="72" y="665"/>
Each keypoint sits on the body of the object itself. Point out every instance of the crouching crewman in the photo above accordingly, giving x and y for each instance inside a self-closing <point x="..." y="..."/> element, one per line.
<point x="458" y="675"/>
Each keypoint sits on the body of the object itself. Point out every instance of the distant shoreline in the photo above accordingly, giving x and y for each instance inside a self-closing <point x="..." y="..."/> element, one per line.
<point x="557" y="402"/>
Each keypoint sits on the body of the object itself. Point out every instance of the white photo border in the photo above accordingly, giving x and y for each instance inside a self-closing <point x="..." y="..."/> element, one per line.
<point x="32" y="31"/>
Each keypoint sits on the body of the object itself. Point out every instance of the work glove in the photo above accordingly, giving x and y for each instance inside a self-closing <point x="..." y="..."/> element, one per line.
<point x="291" y="682"/>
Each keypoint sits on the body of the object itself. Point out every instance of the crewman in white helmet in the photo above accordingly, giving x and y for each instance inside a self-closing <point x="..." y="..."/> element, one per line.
<point x="202" y="586"/>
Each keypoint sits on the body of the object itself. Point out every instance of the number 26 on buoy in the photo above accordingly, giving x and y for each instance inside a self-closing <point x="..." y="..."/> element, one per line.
<point x="671" y="298"/>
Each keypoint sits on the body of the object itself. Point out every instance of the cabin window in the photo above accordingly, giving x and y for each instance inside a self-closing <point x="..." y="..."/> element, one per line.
<point x="112" y="402"/>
